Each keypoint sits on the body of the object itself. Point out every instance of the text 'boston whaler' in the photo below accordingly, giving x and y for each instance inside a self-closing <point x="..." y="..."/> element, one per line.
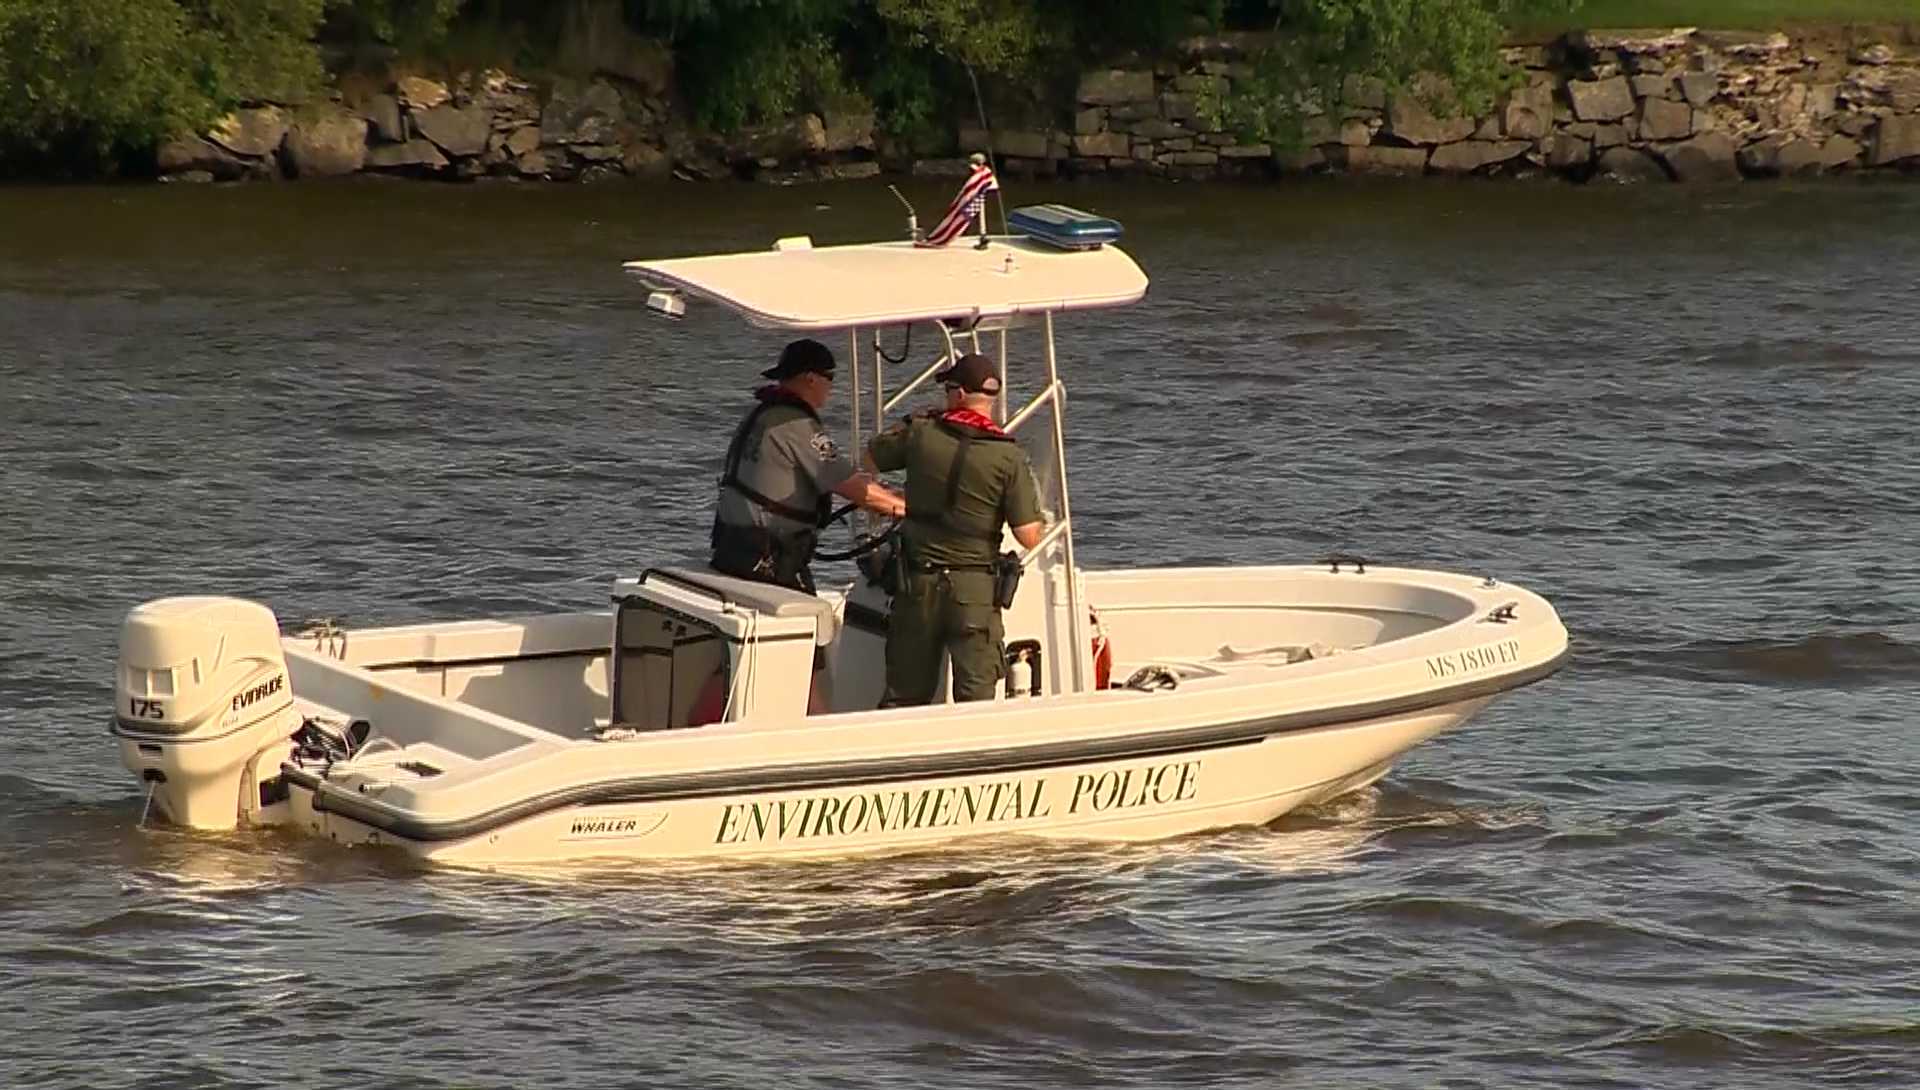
<point x="675" y="723"/>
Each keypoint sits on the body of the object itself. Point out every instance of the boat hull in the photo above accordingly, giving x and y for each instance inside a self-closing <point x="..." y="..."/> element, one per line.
<point x="1139" y="798"/>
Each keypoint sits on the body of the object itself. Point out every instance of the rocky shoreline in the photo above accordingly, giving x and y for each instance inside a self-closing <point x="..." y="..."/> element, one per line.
<point x="1682" y="104"/>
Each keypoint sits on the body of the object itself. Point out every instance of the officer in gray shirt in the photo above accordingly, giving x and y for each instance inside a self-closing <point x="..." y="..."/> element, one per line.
<point x="781" y="472"/>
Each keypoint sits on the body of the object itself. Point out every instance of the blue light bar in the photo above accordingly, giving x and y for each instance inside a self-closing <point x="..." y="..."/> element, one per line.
<point x="1063" y="227"/>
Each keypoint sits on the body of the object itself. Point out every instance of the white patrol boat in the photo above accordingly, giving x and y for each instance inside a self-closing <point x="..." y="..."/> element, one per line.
<point x="1140" y="703"/>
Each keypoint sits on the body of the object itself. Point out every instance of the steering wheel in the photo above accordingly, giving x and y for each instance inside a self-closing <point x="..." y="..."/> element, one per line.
<point x="864" y="545"/>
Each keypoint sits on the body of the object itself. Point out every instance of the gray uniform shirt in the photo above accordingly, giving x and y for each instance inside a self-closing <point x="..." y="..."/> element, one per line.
<point x="789" y="458"/>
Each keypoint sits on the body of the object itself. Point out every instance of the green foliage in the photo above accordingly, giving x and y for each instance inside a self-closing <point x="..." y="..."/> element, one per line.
<point x="1211" y="104"/>
<point x="86" y="81"/>
<point x="927" y="54"/>
<point x="1322" y="46"/>
<point x="411" y="25"/>
<point x="91" y="81"/>
<point x="1721" y="14"/>
<point x="259" y="49"/>
<point x="742" y="62"/>
<point x="909" y="102"/>
<point x="1025" y="56"/>
<point x="683" y="19"/>
<point x="1101" y="28"/>
<point x="1001" y="37"/>
<point x="759" y="77"/>
<point x="85" y="76"/>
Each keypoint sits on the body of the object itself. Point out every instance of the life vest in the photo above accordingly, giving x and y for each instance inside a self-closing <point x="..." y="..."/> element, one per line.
<point x="771" y="397"/>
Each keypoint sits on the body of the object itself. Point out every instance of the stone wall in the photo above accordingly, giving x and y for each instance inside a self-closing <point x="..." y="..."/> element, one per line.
<point x="1684" y="104"/>
<point x="1689" y="105"/>
<point x="493" y="125"/>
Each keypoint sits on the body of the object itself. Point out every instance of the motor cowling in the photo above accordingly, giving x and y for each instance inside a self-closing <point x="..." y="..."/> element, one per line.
<point x="204" y="706"/>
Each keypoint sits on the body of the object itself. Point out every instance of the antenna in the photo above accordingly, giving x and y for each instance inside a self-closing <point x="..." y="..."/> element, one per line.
<point x="999" y="195"/>
<point x="913" y="221"/>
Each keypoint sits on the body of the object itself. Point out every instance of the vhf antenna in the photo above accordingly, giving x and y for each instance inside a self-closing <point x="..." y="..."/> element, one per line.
<point x="913" y="220"/>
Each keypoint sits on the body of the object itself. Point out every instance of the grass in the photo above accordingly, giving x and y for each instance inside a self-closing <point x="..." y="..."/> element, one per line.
<point x="1734" y="14"/>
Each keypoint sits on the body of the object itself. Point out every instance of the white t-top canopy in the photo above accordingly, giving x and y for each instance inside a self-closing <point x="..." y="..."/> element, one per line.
<point x="887" y="283"/>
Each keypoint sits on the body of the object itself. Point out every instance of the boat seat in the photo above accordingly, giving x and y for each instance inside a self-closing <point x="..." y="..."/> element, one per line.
<point x="767" y="599"/>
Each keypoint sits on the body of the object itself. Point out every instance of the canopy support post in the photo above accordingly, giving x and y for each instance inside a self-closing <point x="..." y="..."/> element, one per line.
<point x="1076" y="612"/>
<point x="1000" y="402"/>
<point x="853" y="395"/>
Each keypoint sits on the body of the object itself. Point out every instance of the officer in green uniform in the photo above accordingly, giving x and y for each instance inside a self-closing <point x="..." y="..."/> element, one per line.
<point x="965" y="479"/>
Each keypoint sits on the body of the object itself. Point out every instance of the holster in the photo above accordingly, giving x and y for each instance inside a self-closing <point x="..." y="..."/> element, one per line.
<point x="886" y="567"/>
<point x="1006" y="579"/>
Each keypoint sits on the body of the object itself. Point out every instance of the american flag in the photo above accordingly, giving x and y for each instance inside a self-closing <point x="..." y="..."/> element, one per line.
<point x="971" y="201"/>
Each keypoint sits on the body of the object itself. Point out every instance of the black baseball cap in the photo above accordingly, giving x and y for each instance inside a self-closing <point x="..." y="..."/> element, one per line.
<point x="800" y="357"/>
<point x="973" y="372"/>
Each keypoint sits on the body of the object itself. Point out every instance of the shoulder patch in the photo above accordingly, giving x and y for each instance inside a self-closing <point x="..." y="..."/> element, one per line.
<point x="823" y="446"/>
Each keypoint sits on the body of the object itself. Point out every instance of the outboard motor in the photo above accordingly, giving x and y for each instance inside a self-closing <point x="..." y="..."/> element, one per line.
<point x="205" y="708"/>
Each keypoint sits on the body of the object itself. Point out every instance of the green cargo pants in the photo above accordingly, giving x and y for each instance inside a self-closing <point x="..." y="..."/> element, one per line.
<point x="949" y="611"/>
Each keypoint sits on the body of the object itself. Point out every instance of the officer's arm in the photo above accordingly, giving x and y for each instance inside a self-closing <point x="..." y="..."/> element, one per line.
<point x="831" y="471"/>
<point x="888" y="450"/>
<point x="1020" y="506"/>
<point x="862" y="489"/>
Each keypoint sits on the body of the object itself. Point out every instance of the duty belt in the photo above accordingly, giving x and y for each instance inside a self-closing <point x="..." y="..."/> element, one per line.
<point x="934" y="569"/>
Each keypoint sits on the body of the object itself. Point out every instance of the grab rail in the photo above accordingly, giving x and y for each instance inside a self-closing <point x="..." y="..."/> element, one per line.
<point x="1053" y="391"/>
<point x="907" y="390"/>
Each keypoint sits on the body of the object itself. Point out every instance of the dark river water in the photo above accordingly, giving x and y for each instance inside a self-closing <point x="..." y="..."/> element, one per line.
<point x="1691" y="859"/>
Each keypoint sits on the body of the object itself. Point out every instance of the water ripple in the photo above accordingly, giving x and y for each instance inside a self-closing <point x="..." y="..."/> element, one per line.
<point x="1688" y="861"/>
